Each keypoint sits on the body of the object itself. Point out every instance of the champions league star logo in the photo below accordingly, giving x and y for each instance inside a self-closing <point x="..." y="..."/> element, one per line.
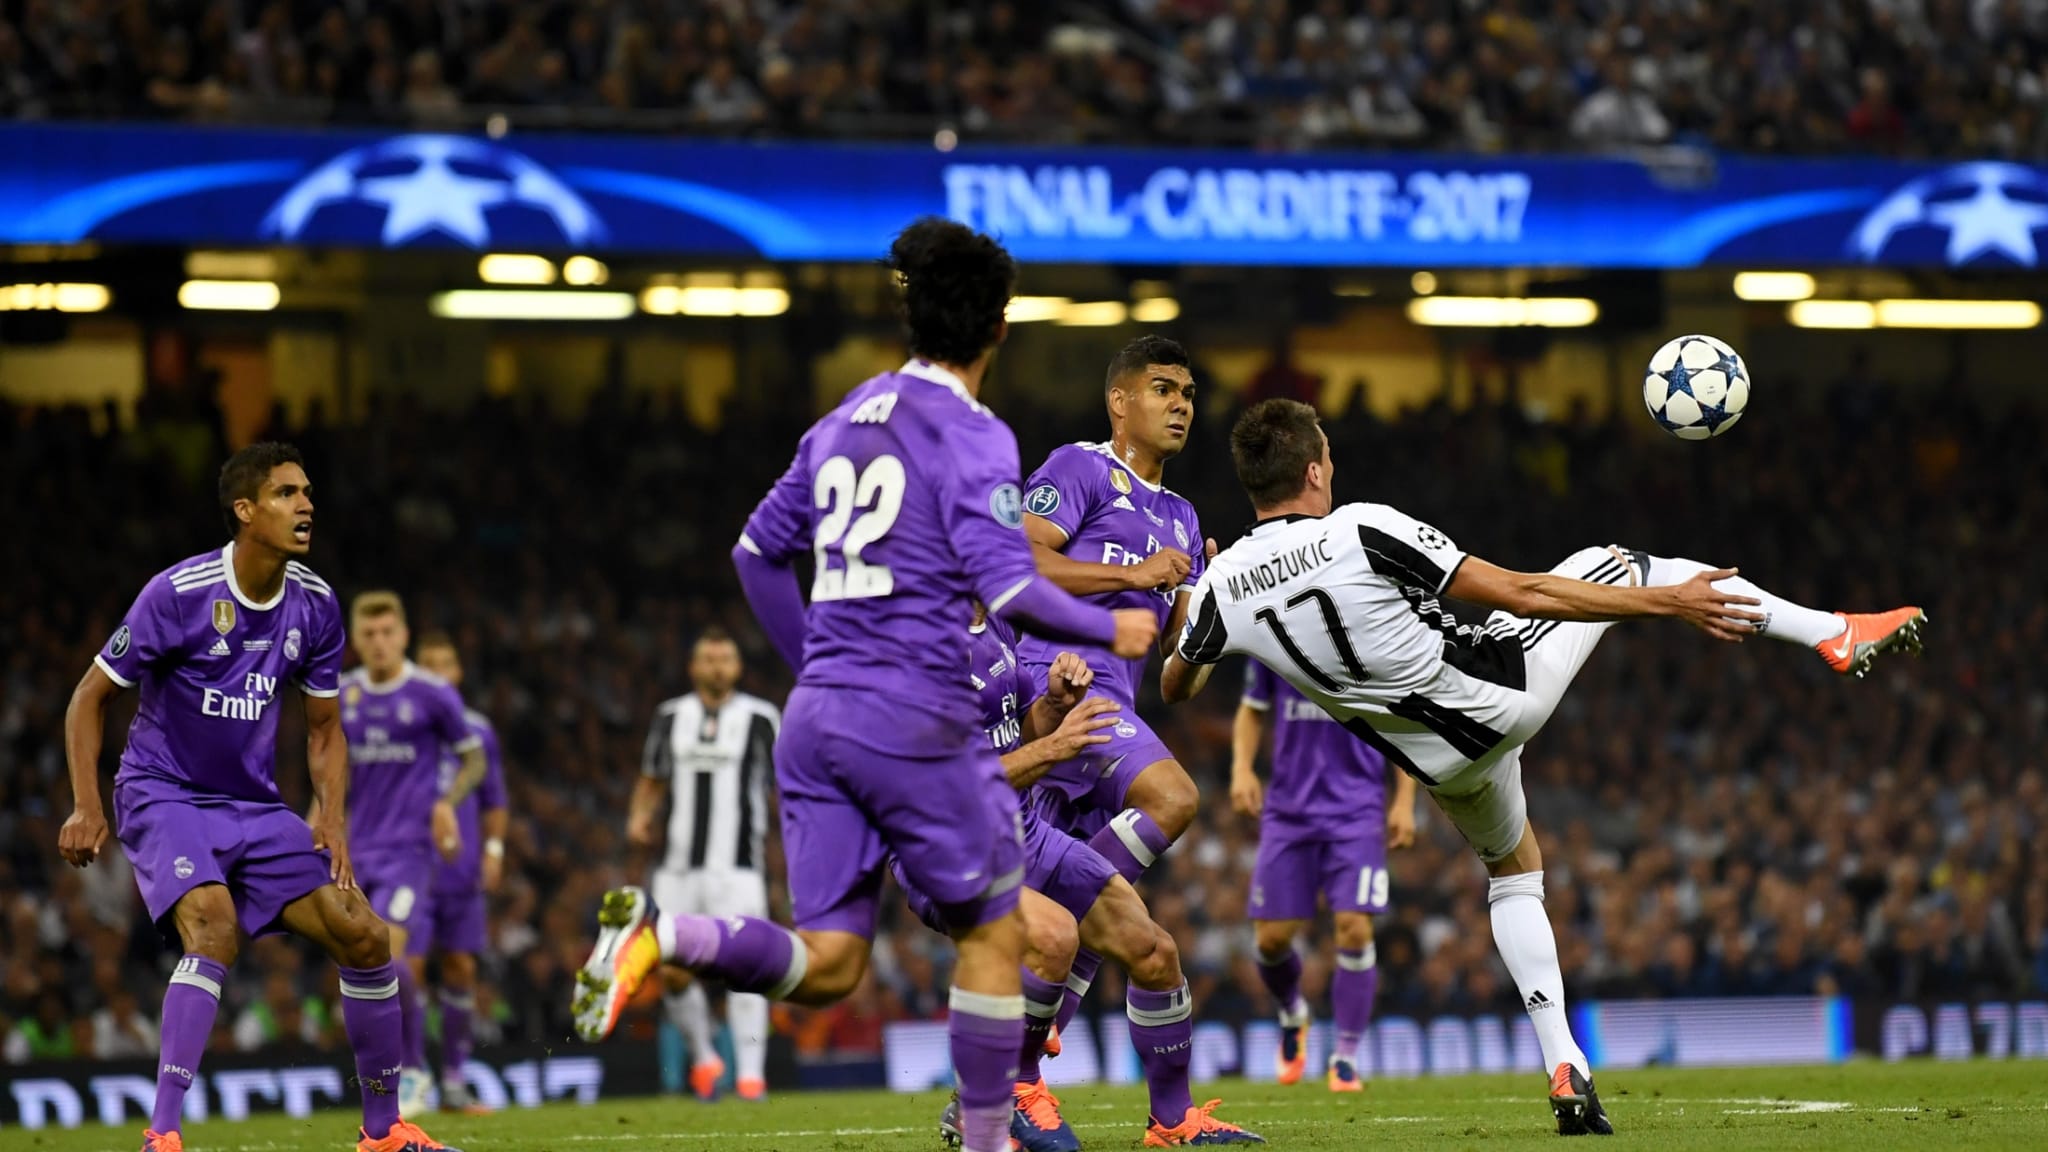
<point x="433" y="184"/>
<point x="1981" y="210"/>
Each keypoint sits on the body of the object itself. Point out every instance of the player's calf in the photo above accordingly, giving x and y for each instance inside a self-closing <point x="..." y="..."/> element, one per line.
<point x="1280" y="972"/>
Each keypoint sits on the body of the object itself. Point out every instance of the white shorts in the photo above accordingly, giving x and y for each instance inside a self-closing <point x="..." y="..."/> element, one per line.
<point x="1485" y="801"/>
<point x="711" y="892"/>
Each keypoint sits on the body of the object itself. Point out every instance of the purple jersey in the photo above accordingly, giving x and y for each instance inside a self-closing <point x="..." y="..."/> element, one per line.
<point x="398" y="731"/>
<point x="211" y="661"/>
<point x="906" y="496"/>
<point x="465" y="872"/>
<point x="999" y="683"/>
<point x="1110" y="516"/>
<point x="1323" y="778"/>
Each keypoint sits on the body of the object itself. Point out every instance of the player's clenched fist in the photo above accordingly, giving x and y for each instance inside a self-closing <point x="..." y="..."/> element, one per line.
<point x="1067" y="681"/>
<point x="83" y="835"/>
<point x="1136" y="628"/>
<point x="1166" y="568"/>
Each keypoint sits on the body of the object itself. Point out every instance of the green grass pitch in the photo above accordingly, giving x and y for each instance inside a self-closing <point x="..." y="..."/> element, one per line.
<point x="1862" y="1107"/>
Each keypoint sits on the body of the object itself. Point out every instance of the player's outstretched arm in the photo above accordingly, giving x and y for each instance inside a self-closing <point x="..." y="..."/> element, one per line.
<point x="327" y="764"/>
<point x="1544" y="596"/>
<point x="85" y="831"/>
<point x="1181" y="680"/>
<point x="1165" y="568"/>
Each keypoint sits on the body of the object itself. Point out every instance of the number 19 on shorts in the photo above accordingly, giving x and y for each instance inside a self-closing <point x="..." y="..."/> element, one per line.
<point x="1372" y="887"/>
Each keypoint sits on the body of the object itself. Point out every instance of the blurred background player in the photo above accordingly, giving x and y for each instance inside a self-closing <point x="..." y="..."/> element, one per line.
<point x="712" y="754"/>
<point x="906" y="495"/>
<point x="1325" y="825"/>
<point x="402" y="721"/>
<point x="212" y="640"/>
<point x="1343" y="602"/>
<point x="1104" y="528"/>
<point x="456" y="931"/>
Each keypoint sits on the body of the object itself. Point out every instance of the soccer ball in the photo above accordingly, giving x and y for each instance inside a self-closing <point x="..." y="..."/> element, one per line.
<point x="1696" y="387"/>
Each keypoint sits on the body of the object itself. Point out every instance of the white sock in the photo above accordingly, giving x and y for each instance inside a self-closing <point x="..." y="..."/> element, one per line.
<point x="1783" y="620"/>
<point x="747" y="1016"/>
<point x="690" y="1012"/>
<point x="1522" y="933"/>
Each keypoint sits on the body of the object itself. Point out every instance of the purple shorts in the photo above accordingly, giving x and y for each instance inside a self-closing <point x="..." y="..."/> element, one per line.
<point x="1062" y="869"/>
<point x="1350" y="870"/>
<point x="400" y="888"/>
<point x="1098" y="781"/>
<point x="864" y="776"/>
<point x="261" y="850"/>
<point x="457" y="922"/>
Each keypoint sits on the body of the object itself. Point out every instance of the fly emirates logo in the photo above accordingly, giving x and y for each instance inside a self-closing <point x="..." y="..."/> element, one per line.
<point x="257" y="691"/>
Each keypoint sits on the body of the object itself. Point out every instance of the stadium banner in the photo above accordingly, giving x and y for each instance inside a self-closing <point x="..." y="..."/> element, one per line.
<point x="1620" y="1034"/>
<point x="555" y="193"/>
<point x="234" y="1086"/>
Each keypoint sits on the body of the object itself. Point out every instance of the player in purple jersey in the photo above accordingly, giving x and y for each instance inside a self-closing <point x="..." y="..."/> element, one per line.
<point x="455" y="935"/>
<point x="401" y="723"/>
<point x="213" y="641"/>
<point x="1104" y="527"/>
<point x="1073" y="897"/>
<point x="1325" y="825"/>
<point x="906" y="499"/>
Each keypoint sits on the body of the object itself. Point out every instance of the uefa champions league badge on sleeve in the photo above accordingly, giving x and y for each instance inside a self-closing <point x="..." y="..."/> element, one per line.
<point x="1043" y="501"/>
<point x="1007" y="506"/>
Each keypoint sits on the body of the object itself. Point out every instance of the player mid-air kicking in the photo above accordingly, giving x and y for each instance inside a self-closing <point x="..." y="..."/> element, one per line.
<point x="1325" y="826"/>
<point x="1105" y="528"/>
<point x="214" y="641"/>
<point x="1073" y="898"/>
<point x="906" y="499"/>
<point x="1342" y="602"/>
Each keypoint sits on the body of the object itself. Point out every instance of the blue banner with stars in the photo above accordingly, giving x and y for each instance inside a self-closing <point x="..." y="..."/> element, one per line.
<point x="166" y="185"/>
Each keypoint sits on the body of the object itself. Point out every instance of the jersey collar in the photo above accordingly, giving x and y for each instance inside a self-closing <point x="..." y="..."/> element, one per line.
<point x="1288" y="518"/>
<point x="227" y="556"/>
<point x="928" y="371"/>
<point x="405" y="672"/>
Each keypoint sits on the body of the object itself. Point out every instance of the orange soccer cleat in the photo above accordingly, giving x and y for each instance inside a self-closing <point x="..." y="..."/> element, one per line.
<point x="1344" y="1076"/>
<point x="1200" y="1127"/>
<point x="751" y="1088"/>
<point x="1052" y="1042"/>
<point x="704" y="1077"/>
<point x="404" y="1136"/>
<point x="153" y="1141"/>
<point x="626" y="954"/>
<point x="1866" y="635"/>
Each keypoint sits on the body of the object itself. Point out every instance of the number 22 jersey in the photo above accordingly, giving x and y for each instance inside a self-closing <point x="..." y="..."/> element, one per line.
<point x="906" y="495"/>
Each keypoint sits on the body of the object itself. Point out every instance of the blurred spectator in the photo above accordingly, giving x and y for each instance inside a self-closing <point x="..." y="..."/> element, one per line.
<point x="1619" y="115"/>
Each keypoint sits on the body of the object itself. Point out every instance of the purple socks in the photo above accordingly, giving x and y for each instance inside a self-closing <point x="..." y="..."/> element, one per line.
<point x="190" y="1004"/>
<point x="456" y="1010"/>
<point x="1282" y="978"/>
<point x="1163" y="1031"/>
<point x="1080" y="978"/>
<point x="412" y="1009"/>
<point x="1130" y="842"/>
<point x="370" y="1012"/>
<point x="1042" y="1000"/>
<point x="748" y="953"/>
<point x="986" y="1032"/>
<point x="1352" y="989"/>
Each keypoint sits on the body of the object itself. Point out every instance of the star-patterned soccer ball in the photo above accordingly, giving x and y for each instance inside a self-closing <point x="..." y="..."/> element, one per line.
<point x="1696" y="387"/>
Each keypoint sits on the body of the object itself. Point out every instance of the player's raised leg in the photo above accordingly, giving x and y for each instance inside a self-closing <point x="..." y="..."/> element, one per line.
<point x="1153" y="806"/>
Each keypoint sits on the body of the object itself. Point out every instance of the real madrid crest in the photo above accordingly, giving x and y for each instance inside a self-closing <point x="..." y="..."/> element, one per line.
<point x="223" y="616"/>
<point x="1121" y="481"/>
<point x="291" y="644"/>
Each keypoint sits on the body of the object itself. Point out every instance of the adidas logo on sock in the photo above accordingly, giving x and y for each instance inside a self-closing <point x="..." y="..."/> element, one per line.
<point x="1538" y="1000"/>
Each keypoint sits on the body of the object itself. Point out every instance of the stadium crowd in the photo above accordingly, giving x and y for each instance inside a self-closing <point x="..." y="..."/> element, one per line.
<point x="1720" y="820"/>
<point x="1932" y="77"/>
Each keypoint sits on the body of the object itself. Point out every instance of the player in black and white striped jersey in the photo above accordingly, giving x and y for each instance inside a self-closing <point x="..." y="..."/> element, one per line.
<point x="711" y="754"/>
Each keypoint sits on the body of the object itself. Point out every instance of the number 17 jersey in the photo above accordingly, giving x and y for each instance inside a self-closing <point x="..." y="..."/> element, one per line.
<point x="906" y="496"/>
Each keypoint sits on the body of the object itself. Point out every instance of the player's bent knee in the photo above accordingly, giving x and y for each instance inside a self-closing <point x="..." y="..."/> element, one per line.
<point x="1050" y="938"/>
<point x="1275" y="938"/>
<point x="458" y="971"/>
<point x="1164" y="792"/>
<point x="360" y="937"/>
<point x="207" y="926"/>
<point x="1354" y="931"/>
<point x="833" y="969"/>
<point x="1157" y="966"/>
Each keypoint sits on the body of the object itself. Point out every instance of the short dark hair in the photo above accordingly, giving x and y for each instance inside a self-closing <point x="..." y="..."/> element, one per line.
<point x="242" y="477"/>
<point x="713" y="634"/>
<point x="1143" y="353"/>
<point x="953" y="285"/>
<point x="1272" y="446"/>
<point x="435" y="639"/>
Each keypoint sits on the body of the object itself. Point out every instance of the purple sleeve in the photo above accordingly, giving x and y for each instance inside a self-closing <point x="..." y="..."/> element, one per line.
<point x="780" y="528"/>
<point x="320" y="673"/>
<point x="450" y="724"/>
<point x="775" y="596"/>
<point x="1258" y="686"/>
<point x="1043" y="610"/>
<point x="984" y="517"/>
<point x="147" y="633"/>
<point x="491" y="792"/>
<point x="1062" y="490"/>
<point x="1199" y="563"/>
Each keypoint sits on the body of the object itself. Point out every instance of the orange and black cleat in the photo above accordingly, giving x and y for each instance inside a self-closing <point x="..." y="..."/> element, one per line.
<point x="404" y="1136"/>
<point x="1199" y="1127"/>
<point x="1576" y="1105"/>
<point x="1867" y="635"/>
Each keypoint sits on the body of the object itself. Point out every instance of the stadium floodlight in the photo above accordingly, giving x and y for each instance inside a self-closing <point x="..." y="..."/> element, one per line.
<point x="1503" y="311"/>
<point x="584" y="271"/>
<point x="1773" y="285"/>
<point x="230" y="266"/>
<point x="1031" y="309"/>
<point x="1157" y="310"/>
<point x="713" y="300"/>
<point x="228" y="295"/>
<point x="1832" y="314"/>
<point x="506" y="268"/>
<point x="1423" y="283"/>
<point x="1094" y="314"/>
<point x="1958" y="314"/>
<point x="55" y="298"/>
<point x="489" y="304"/>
